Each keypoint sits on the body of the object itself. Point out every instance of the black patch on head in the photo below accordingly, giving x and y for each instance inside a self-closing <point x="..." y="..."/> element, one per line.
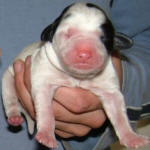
<point x="108" y="35"/>
<point x="107" y="28"/>
<point x="97" y="7"/>
<point x="49" y="31"/>
<point x="92" y="5"/>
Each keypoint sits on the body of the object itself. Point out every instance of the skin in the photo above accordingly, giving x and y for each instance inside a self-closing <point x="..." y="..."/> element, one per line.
<point x="73" y="108"/>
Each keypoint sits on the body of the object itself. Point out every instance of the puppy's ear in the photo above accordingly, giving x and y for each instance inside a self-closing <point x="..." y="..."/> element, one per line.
<point x="122" y="41"/>
<point x="49" y="31"/>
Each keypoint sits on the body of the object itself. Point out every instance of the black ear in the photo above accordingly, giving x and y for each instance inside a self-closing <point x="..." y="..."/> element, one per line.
<point x="49" y="31"/>
<point x="122" y="41"/>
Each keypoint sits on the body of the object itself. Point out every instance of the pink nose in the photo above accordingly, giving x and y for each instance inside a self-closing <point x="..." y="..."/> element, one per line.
<point x="84" y="54"/>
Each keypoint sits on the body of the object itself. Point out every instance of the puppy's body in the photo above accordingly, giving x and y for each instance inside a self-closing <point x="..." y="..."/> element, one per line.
<point x="73" y="56"/>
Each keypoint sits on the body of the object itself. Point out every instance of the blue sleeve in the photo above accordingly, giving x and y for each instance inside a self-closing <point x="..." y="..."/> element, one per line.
<point x="131" y="16"/>
<point x="136" y="73"/>
<point x="134" y="21"/>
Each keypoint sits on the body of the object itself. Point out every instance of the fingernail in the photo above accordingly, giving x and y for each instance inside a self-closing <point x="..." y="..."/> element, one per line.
<point x="28" y="60"/>
<point x="18" y="66"/>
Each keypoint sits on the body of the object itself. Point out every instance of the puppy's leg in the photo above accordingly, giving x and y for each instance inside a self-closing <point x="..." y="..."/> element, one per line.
<point x="10" y="100"/>
<point x="43" y="96"/>
<point x="113" y="103"/>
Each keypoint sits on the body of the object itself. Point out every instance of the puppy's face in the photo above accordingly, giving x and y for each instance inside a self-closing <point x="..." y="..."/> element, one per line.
<point x="83" y="39"/>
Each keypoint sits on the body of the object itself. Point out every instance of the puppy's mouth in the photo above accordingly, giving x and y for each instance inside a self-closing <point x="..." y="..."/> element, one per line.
<point x="82" y="66"/>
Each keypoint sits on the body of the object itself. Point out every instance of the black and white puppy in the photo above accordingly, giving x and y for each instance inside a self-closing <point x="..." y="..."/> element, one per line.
<point x="76" y="52"/>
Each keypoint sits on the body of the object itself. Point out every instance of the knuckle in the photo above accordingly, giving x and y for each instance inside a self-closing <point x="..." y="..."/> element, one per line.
<point x="82" y="132"/>
<point x="63" y="134"/>
<point x="99" y="121"/>
<point x="97" y="124"/>
<point x="80" y="105"/>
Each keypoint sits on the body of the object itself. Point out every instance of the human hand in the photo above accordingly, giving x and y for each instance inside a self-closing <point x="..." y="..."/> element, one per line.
<point x="74" y="108"/>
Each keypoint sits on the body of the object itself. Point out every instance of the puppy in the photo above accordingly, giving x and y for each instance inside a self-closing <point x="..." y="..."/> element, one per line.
<point x="75" y="52"/>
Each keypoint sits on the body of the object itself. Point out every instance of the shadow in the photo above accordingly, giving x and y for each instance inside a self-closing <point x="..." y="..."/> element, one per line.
<point x="14" y="129"/>
<point x="41" y="147"/>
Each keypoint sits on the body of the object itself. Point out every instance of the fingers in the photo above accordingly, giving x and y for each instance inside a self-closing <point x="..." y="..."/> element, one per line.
<point x="70" y="124"/>
<point x="92" y="119"/>
<point x="23" y="93"/>
<point x="27" y="72"/>
<point x="70" y="130"/>
<point x="77" y="100"/>
<point x="63" y="134"/>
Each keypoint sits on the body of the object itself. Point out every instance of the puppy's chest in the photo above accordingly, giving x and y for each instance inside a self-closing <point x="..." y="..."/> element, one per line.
<point x="95" y="85"/>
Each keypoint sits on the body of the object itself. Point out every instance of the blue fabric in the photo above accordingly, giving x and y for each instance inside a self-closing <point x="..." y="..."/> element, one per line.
<point x="133" y="19"/>
<point x="131" y="16"/>
<point x="21" y="23"/>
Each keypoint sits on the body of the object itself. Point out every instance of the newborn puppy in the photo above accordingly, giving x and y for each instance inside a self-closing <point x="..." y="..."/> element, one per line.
<point x="75" y="52"/>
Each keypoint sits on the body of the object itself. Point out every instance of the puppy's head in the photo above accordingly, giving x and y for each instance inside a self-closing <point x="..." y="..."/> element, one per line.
<point x="82" y="37"/>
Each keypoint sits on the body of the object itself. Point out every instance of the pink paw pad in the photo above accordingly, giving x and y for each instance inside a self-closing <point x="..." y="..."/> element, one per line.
<point x="135" y="141"/>
<point x="15" y="120"/>
<point x="46" y="140"/>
